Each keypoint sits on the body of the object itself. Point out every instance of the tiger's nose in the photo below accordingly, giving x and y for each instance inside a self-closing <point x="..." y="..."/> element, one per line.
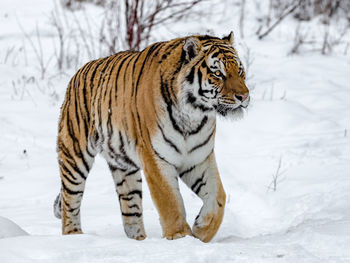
<point x="241" y="97"/>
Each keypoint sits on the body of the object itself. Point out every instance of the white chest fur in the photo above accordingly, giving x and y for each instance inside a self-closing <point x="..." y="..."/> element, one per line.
<point x="185" y="149"/>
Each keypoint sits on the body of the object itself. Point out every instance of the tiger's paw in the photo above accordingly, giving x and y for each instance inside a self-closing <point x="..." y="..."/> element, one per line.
<point x="185" y="230"/>
<point x="206" y="226"/>
<point x="135" y="231"/>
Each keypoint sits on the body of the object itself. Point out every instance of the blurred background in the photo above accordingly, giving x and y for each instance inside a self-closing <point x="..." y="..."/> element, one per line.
<point x="285" y="166"/>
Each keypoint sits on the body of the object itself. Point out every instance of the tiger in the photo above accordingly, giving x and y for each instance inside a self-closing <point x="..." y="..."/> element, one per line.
<point x="153" y="111"/>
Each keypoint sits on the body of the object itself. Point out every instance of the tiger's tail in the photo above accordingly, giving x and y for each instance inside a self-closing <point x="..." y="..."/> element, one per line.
<point x="57" y="206"/>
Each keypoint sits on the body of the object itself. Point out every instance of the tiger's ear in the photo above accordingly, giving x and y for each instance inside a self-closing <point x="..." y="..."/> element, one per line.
<point x="229" y="38"/>
<point x="191" y="48"/>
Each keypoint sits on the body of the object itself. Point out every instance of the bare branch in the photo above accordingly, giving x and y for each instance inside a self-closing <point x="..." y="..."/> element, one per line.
<point x="279" y="20"/>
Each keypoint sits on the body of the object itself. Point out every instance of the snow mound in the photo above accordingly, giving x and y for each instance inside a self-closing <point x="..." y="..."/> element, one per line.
<point x="10" y="229"/>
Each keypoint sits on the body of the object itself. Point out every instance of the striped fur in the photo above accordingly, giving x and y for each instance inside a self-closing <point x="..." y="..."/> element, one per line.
<point x="155" y="111"/>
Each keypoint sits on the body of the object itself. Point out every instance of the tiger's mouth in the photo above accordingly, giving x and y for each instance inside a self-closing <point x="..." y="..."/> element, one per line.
<point x="229" y="109"/>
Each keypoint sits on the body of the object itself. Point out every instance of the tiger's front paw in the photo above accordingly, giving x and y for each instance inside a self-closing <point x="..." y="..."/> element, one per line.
<point x="179" y="232"/>
<point x="207" y="224"/>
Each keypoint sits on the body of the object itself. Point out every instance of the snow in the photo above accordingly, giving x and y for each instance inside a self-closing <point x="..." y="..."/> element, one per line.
<point x="10" y="229"/>
<point x="299" y="115"/>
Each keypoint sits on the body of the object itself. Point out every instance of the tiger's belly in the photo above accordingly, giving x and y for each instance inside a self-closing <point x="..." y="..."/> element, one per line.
<point x="168" y="144"/>
<point x="120" y="152"/>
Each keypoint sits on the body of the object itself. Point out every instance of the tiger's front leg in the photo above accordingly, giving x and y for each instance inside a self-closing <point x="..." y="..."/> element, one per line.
<point x="204" y="181"/>
<point x="162" y="179"/>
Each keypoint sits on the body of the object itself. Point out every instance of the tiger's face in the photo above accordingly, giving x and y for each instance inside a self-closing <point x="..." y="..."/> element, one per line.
<point x="215" y="81"/>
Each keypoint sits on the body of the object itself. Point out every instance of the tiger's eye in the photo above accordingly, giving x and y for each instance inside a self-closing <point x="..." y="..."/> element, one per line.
<point x="218" y="73"/>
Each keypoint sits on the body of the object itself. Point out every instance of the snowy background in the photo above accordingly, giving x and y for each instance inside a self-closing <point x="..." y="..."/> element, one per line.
<point x="285" y="166"/>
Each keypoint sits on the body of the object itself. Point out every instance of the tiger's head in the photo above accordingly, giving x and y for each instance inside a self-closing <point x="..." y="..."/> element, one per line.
<point x="214" y="77"/>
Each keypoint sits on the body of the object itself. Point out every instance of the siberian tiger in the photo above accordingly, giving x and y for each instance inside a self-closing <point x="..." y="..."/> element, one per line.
<point x="155" y="111"/>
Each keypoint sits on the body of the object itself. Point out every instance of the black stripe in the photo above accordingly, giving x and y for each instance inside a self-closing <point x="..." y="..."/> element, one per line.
<point x="132" y="73"/>
<point x="203" y="143"/>
<point x="216" y="53"/>
<point x="145" y="59"/>
<point x="169" y="141"/>
<point x="124" y="86"/>
<point x="114" y="168"/>
<point x="76" y="169"/>
<point x="212" y="42"/>
<point x="207" y="37"/>
<point x="70" y="209"/>
<point x="203" y="122"/>
<point x="190" y="77"/>
<point x="125" y="198"/>
<point x="200" y="75"/>
<point x="86" y="103"/>
<point x="114" y="89"/>
<point x="133" y="90"/>
<point x="200" y="187"/>
<point x="92" y="78"/>
<point x="193" y="101"/>
<point x="165" y="91"/>
<point x="197" y="182"/>
<point x="68" y="191"/>
<point x="76" y="145"/>
<point x="120" y="157"/>
<point x="69" y="180"/>
<point x="152" y="48"/>
<point x="132" y="214"/>
<point x="135" y="205"/>
<point x="89" y="153"/>
<point x="66" y="170"/>
<point x="115" y="62"/>
<point x="135" y="192"/>
<point x="64" y="149"/>
<point x="73" y="97"/>
<point x="183" y="58"/>
<point x="77" y="98"/>
<point x="162" y="158"/>
<point x="157" y="47"/>
<point x="132" y="172"/>
<point x="121" y="183"/>
<point x="101" y="80"/>
<point x="169" y="49"/>
<point x="120" y="68"/>
<point x="167" y="100"/>
<point x="205" y="66"/>
<point x="187" y="171"/>
<point x="109" y="127"/>
<point x="124" y="156"/>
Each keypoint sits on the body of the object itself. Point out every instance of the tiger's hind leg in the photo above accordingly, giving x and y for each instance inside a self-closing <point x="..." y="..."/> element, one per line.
<point x="75" y="163"/>
<point x="204" y="181"/>
<point x="128" y="185"/>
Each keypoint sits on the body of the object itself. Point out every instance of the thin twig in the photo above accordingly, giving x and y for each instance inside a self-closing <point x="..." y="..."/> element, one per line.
<point x="279" y="20"/>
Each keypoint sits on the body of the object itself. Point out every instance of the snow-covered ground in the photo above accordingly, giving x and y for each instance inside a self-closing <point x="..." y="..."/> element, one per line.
<point x="297" y="128"/>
